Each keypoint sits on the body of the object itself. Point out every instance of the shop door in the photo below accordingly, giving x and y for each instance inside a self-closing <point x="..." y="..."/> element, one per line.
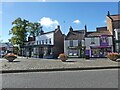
<point x="101" y="53"/>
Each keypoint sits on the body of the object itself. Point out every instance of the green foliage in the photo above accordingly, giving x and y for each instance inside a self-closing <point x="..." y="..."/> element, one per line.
<point x="19" y="31"/>
<point x="21" y="28"/>
<point x="34" y="28"/>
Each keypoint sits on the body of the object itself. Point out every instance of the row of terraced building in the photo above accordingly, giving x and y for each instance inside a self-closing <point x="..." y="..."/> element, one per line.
<point x="77" y="43"/>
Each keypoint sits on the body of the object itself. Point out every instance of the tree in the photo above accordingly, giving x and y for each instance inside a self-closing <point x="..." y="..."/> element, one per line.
<point x="34" y="29"/>
<point x="19" y="31"/>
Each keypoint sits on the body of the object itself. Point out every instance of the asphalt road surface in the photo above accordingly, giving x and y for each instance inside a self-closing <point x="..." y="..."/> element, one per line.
<point x="62" y="79"/>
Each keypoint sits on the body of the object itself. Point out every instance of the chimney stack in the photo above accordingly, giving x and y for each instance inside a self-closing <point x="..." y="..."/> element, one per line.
<point x="108" y="13"/>
<point x="58" y="27"/>
<point x="85" y="27"/>
<point x="71" y="29"/>
<point x="85" y="30"/>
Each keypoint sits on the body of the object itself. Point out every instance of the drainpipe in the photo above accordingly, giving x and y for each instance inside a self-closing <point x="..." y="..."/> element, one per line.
<point x="113" y="37"/>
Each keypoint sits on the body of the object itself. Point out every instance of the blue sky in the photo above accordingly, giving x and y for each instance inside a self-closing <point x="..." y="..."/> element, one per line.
<point x="51" y="14"/>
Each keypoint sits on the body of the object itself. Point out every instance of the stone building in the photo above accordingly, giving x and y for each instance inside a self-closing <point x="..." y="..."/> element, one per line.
<point x="74" y="43"/>
<point x="99" y="42"/>
<point x="113" y="25"/>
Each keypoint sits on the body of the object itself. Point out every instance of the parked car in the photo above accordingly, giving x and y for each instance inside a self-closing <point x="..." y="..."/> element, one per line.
<point x="2" y="54"/>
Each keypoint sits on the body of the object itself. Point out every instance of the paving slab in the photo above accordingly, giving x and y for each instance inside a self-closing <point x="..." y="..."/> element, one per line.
<point x="22" y="64"/>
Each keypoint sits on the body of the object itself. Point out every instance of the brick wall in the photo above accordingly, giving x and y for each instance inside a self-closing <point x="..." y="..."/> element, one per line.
<point x="109" y="25"/>
<point x="58" y="43"/>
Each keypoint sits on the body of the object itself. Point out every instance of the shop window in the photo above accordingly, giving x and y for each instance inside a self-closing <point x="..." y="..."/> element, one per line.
<point x="95" y="52"/>
<point x="73" y="52"/>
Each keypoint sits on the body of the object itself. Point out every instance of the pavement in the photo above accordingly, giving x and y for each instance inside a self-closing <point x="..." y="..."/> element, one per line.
<point x="22" y="64"/>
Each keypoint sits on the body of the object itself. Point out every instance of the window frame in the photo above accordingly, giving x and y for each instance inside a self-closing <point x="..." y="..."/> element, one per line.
<point x="71" y="43"/>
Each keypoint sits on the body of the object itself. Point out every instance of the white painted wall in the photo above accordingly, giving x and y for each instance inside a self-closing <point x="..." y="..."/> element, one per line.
<point x="67" y="44"/>
<point x="75" y="43"/>
<point x="116" y="33"/>
<point x="116" y="37"/>
<point x="44" y="37"/>
<point x="83" y="42"/>
<point x="88" y="42"/>
<point x="109" y="41"/>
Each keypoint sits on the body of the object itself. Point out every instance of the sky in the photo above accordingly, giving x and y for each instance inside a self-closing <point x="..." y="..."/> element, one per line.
<point x="51" y="14"/>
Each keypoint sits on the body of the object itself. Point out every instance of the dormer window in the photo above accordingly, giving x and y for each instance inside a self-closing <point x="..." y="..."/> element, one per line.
<point x="92" y="40"/>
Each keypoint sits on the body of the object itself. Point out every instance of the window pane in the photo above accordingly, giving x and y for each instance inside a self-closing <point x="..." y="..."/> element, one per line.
<point x="42" y="41"/>
<point x="39" y="42"/>
<point x="50" y="41"/>
<point x="79" y="43"/>
<point x="71" y="43"/>
<point x="118" y="36"/>
<point x="46" y="41"/>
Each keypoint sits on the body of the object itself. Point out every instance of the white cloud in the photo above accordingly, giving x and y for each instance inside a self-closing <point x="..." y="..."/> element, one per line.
<point x="76" y="21"/>
<point x="48" y="22"/>
<point x="105" y="21"/>
<point x="23" y="0"/>
<point x="44" y="0"/>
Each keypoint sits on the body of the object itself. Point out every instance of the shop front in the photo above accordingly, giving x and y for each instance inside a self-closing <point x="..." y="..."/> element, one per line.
<point x="104" y="47"/>
<point x="38" y="51"/>
<point x="76" y="51"/>
<point x="100" y="51"/>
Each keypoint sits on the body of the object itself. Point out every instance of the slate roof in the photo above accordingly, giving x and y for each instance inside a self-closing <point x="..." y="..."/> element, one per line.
<point x="54" y="31"/>
<point x="100" y="31"/>
<point x="75" y="35"/>
<point x="48" y="32"/>
<point x="115" y="17"/>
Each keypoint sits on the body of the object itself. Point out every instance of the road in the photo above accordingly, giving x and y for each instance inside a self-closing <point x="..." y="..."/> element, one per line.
<point x="62" y="79"/>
